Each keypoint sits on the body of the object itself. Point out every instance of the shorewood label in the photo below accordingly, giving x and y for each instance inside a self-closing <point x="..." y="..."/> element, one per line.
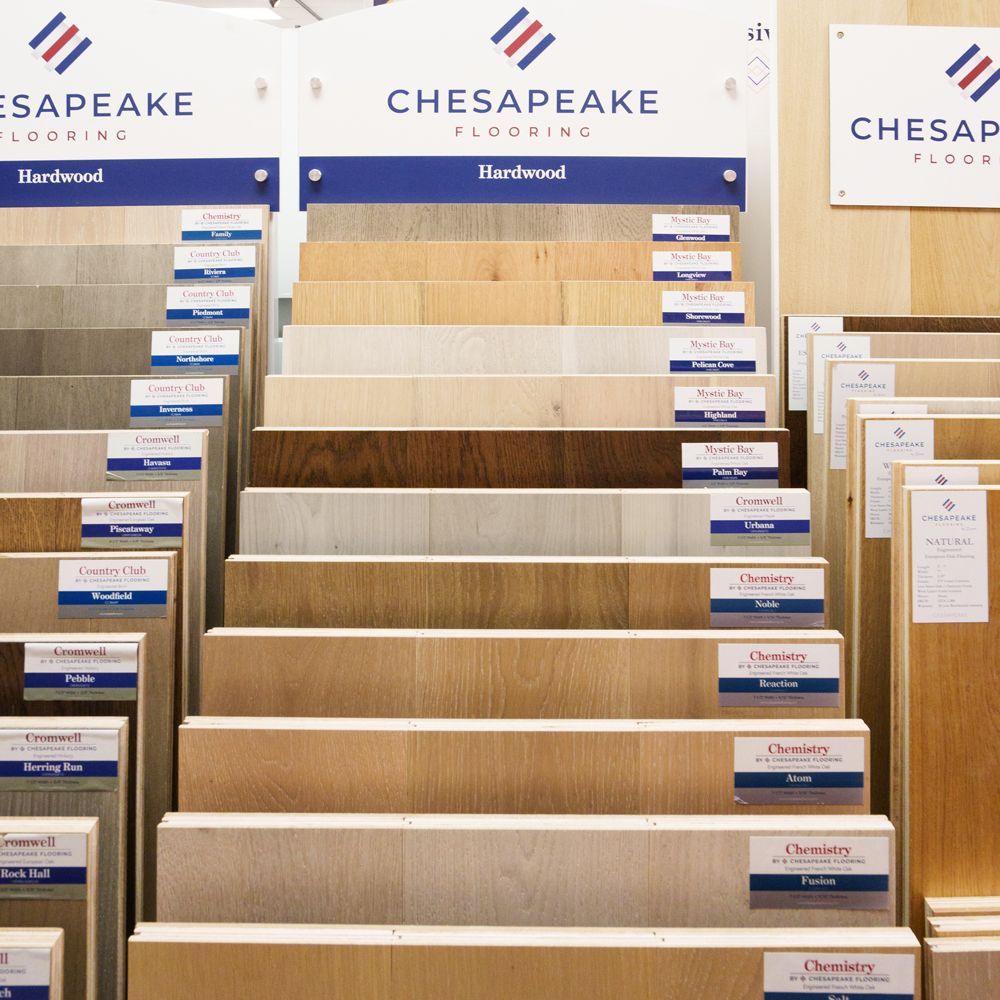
<point x="724" y="465"/>
<point x="832" y="348"/>
<point x="43" y="866"/>
<point x="720" y="405"/>
<point x="799" y="770"/>
<point x="772" y="675"/>
<point x="112" y="588"/>
<point x="760" y="517"/>
<point x="831" y="975"/>
<point x="132" y="522"/>
<point x="692" y="265"/>
<point x="193" y="352"/>
<point x="208" y="303"/>
<point x="713" y="354"/>
<point x="767" y="598"/>
<point x="690" y="228"/>
<point x="150" y="456"/>
<point x="25" y="973"/>
<point x="800" y="329"/>
<point x="220" y="225"/>
<point x="888" y="441"/>
<point x="221" y="263"/>
<point x="81" y="671"/>
<point x="704" y="308"/>
<point x="54" y="759"/>
<point x="853" y="381"/>
<point x="195" y="402"/>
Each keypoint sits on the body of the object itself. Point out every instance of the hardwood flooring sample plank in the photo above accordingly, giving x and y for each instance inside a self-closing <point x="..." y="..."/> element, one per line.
<point x="961" y="906"/>
<point x="961" y="968"/>
<point x="951" y="927"/>
<point x="34" y="958"/>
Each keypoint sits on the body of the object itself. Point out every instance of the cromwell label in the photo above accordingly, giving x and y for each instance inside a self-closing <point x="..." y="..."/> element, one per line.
<point x="43" y="866"/>
<point x="760" y="517"/>
<point x="69" y="759"/>
<point x="25" y="973"/>
<point x="155" y="455"/>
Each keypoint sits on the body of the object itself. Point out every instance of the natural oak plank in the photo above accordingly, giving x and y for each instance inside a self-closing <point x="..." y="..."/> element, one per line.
<point x="961" y="968"/>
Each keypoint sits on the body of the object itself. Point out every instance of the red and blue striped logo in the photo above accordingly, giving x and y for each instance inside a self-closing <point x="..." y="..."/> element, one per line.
<point x="522" y="40"/>
<point x="59" y="44"/>
<point x="899" y="433"/>
<point x="970" y="73"/>
<point x="941" y="480"/>
<point x="949" y="505"/>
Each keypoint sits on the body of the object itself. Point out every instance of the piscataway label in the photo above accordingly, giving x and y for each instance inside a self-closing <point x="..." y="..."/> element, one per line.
<point x="888" y="441"/>
<point x="194" y="352"/>
<point x="208" y="303"/>
<point x="828" y="975"/>
<point x="132" y="522"/>
<point x="779" y="675"/>
<point x="220" y="225"/>
<point x="113" y="588"/>
<point x="164" y="402"/>
<point x="772" y="597"/>
<point x="853" y="381"/>
<point x="704" y="308"/>
<point x="760" y="517"/>
<point x="81" y="671"/>
<point x="25" y="973"/>
<point x="819" y="873"/>
<point x="736" y="405"/>
<point x="669" y="227"/>
<point x="799" y="770"/>
<point x="155" y="455"/>
<point x="43" y="866"/>
<point x="215" y="263"/>
<point x="713" y="354"/>
<point x="800" y="329"/>
<point x="725" y="465"/>
<point x="58" y="759"/>
<point x="692" y="265"/>
<point x="840" y="347"/>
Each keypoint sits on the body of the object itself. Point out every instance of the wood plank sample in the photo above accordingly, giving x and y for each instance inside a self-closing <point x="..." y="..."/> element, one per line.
<point x="961" y="906"/>
<point x="34" y="956"/>
<point x="950" y="927"/>
<point x="513" y="871"/>
<point x="961" y="968"/>
<point x="508" y="674"/>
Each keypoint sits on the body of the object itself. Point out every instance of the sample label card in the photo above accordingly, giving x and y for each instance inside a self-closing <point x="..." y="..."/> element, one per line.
<point x="704" y="308"/>
<point x="888" y="441"/>
<point x="43" y="866"/>
<point x="799" y="770"/>
<point x="220" y="263"/>
<point x="800" y="329"/>
<point x="112" y="588"/>
<point x="193" y="352"/>
<point x="829" y="975"/>
<point x="152" y="456"/>
<point x="132" y="522"/>
<point x="193" y="402"/>
<point x="71" y="759"/>
<point x="819" y="873"/>
<point x="719" y="405"/>
<point x="941" y="475"/>
<point x="713" y="354"/>
<point x="723" y="466"/>
<point x="773" y="674"/>
<point x="950" y="556"/>
<point x="25" y="973"/>
<point x="691" y="228"/>
<point x="208" y="303"/>
<point x="759" y="517"/>
<point x="219" y="225"/>
<point x="767" y="598"/>
<point x="853" y="381"/>
<point x="826" y="348"/>
<point x="692" y="265"/>
<point x="81" y="671"/>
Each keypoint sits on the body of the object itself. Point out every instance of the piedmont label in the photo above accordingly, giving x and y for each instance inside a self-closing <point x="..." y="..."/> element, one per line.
<point x="941" y="475"/>
<point x="58" y="759"/>
<point x="852" y="381"/>
<point x="758" y="517"/>
<point x="208" y="304"/>
<point x="81" y="671"/>
<point x="43" y="866"/>
<point x="691" y="228"/>
<point x="704" y="308"/>
<point x="819" y="873"/>
<point x="132" y="522"/>
<point x="799" y="770"/>
<point x="193" y="352"/>
<point x="25" y="973"/>
<point x="950" y="556"/>
<point x="193" y="402"/>
<point x="725" y="465"/>
<point x="218" y="225"/>
<point x="200" y="263"/>
<point x="828" y="975"/>
<point x="725" y="355"/>
<point x="719" y="405"/>
<point x="772" y="675"/>
<point x="888" y="441"/>
<point x="767" y="598"/>
<point x="112" y="588"/>
<point x="692" y="265"/>
<point x="800" y="329"/>
<point x="832" y="348"/>
<point x="148" y="456"/>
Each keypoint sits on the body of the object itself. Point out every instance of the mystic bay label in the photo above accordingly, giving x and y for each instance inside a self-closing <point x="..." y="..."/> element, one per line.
<point x="776" y="597"/>
<point x="838" y="976"/>
<point x="775" y="675"/>
<point x="153" y="456"/>
<point x="113" y="588"/>
<point x="43" y="866"/>
<point x="760" y="517"/>
<point x="726" y="465"/>
<point x="81" y="671"/>
<point x="799" y="770"/>
<point x="690" y="228"/>
<point x="704" y="308"/>
<point x="732" y="405"/>
<point x="692" y="265"/>
<point x="69" y="759"/>
<point x="713" y="355"/>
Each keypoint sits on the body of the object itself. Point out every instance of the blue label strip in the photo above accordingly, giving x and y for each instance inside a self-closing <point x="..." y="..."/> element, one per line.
<point x="840" y="883"/>
<point x="195" y="360"/>
<point x="178" y="410"/>
<point x="132" y="530"/>
<point x="719" y="415"/>
<point x="713" y="366"/>
<point x="774" y="605"/>
<point x="692" y="274"/>
<point x="207" y="313"/>
<point x="165" y="464"/>
<point x="811" y="779"/>
<point x="66" y="680"/>
<point x="690" y="238"/>
<point x="839" y="994"/>
<point x="221" y="235"/>
<point x="758" y="685"/>
<point x="54" y="876"/>
<point x="213" y="273"/>
<point x="65" y="769"/>
<point x="744" y="528"/>
<point x="24" y="992"/>
<point x="73" y="598"/>
<point x="730" y="472"/>
<point x="705" y="319"/>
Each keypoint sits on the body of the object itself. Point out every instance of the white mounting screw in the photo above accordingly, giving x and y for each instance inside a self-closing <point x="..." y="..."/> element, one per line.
<point x="316" y="83"/>
<point x="261" y="175"/>
<point x="730" y="83"/>
<point x="261" y="84"/>
<point x="315" y="175"/>
<point x="729" y="176"/>
<point x="841" y="194"/>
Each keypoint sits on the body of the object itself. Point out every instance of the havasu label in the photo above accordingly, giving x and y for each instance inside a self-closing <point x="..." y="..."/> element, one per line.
<point x="832" y="348"/>
<point x="941" y="475"/>
<point x="758" y="517"/>
<point x="704" y="308"/>
<point x="726" y="355"/>
<point x="767" y="598"/>
<point x="162" y="402"/>
<point x="888" y="441"/>
<point x="151" y="456"/>
<point x="80" y="671"/>
<point x="819" y="873"/>
<point x="208" y="304"/>
<point x="827" y="975"/>
<point x="43" y="866"/>
<point x="25" y="973"/>
<point x="723" y="466"/>
<point x="799" y="770"/>
<point x="212" y="352"/>
<point x="770" y="675"/>
<point x="691" y="228"/>
<point x="800" y="329"/>
<point x="52" y="759"/>
<point x="219" y="225"/>
<point x="132" y="522"/>
<point x="853" y="381"/>
<point x="201" y="263"/>
<point x="719" y="405"/>
<point x="692" y="265"/>
<point x="112" y="588"/>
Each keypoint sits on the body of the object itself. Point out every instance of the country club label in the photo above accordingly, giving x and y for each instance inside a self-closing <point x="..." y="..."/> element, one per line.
<point x="43" y="866"/>
<point x="113" y="588"/>
<point x="760" y="517"/>
<point x="826" y="347"/>
<point x="191" y="402"/>
<point x="792" y="770"/>
<point x="150" y="456"/>
<point x="713" y="355"/>
<point x="768" y="597"/>
<point x="704" y="308"/>
<point x="819" y="873"/>
<point x="725" y="465"/>
<point x="25" y="973"/>
<point x="692" y="265"/>
<point x="208" y="303"/>
<point x="735" y="405"/>
<point x="779" y="675"/>
<point x="81" y="671"/>
<point x="827" y="975"/>
<point x="215" y="263"/>
<point x="54" y="759"/>
<point x="220" y="225"/>
<point x="687" y="228"/>
<point x="193" y="352"/>
<point x="132" y="522"/>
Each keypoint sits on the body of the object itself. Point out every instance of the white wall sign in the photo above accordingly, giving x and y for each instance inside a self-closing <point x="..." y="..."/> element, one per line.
<point x="800" y="329"/>
<point x="914" y="116"/>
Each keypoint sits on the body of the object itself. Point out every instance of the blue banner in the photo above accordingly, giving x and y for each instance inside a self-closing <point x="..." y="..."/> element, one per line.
<point x="41" y="769"/>
<point x="111" y="598"/>
<point x="759" y="685"/>
<point x="719" y="416"/>
<point x="692" y="274"/>
<point x="221" y="235"/>
<point x="124" y="530"/>
<point x="706" y="367"/>
<point x="214" y="273"/>
<point x="52" y="876"/>
<point x="834" y="882"/>
<point x="750" y="527"/>
<point x="66" y="680"/>
<point x="195" y="361"/>
<point x="806" y="779"/>
<point x="730" y="472"/>
<point x="178" y="410"/>
<point x="206" y="313"/>
<point x="705" y="319"/>
<point x="153" y="464"/>
<point x="772" y="605"/>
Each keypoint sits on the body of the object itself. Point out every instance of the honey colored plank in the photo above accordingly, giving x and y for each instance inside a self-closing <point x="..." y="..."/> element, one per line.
<point x="21" y="947"/>
<point x="961" y="906"/>
<point x="961" y="968"/>
<point x="951" y="927"/>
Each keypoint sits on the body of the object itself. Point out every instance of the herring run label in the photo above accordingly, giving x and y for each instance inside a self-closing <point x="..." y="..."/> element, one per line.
<point x="819" y="873"/>
<point x="853" y="381"/>
<point x="113" y="588"/>
<point x="792" y="770"/>
<point x="164" y="402"/>
<point x="81" y="671"/>
<point x="25" y="973"/>
<point x="713" y="355"/>
<point x="691" y="228"/>
<point x="43" y="866"/>
<point x="767" y="598"/>
<point x="759" y="517"/>
<point x="723" y="405"/>
<point x="208" y="303"/>
<point x="888" y="441"/>
<point x="215" y="263"/>
<point x="132" y="522"/>
<point x="194" y="352"/>
<point x="692" y="265"/>
<point x="725" y="465"/>
<point x="704" y="308"/>
<point x="152" y="456"/>
<point x="58" y="759"/>
<point x="832" y="348"/>
<point x="776" y="675"/>
<point x="826" y="975"/>
<point x="221" y="225"/>
<point x="800" y="329"/>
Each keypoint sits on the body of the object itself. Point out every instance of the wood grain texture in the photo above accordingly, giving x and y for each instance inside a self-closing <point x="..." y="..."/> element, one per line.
<point x="961" y="968"/>
<point x="951" y="927"/>
<point x="468" y="766"/>
<point x="52" y="941"/>
<point x="509" y="674"/>
<point x="961" y="906"/>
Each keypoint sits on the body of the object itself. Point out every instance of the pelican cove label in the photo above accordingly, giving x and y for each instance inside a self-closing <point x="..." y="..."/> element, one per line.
<point x="43" y="866"/>
<point x="54" y="759"/>
<point x="768" y="597"/>
<point x="25" y="973"/>
<point x="888" y="441"/>
<point x="153" y="455"/>
<point x="853" y="381"/>
<point x="208" y="303"/>
<point x="704" y="308"/>
<point x="713" y="354"/>
<point x="720" y="405"/>
<point x="163" y="402"/>
<point x="776" y="675"/>
<point x="692" y="265"/>
<point x="691" y="228"/>
<point x="724" y="465"/>
<point x="221" y="225"/>
<point x="113" y="588"/>
<point x="80" y="671"/>
<point x="789" y="770"/>
<point x="825" y="347"/>
<point x="132" y="522"/>
<point x="760" y="517"/>
<point x="828" y="975"/>
<point x="215" y="263"/>
<point x="193" y="352"/>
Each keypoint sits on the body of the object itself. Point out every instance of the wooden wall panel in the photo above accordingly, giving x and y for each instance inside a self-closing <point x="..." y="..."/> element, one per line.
<point x="961" y="968"/>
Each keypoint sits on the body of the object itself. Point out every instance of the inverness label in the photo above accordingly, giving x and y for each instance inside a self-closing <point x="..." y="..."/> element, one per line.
<point x="211" y="352"/>
<point x="70" y="759"/>
<point x="692" y="265"/>
<point x="799" y="770"/>
<point x="704" y="308"/>
<point x="759" y="517"/>
<point x="800" y="329"/>
<point x="826" y="975"/>
<point x="192" y="402"/>
<point x="217" y="225"/>
<point x="80" y="671"/>
<point x="726" y="355"/>
<point x="690" y="228"/>
<point x="767" y="598"/>
<point x="718" y="405"/>
<point x="771" y="675"/>
<point x="25" y="973"/>
<point x="112" y="588"/>
<point x="132" y="522"/>
<point x="152" y="456"/>
<point x="218" y="263"/>
<point x="725" y="465"/>
<point x="852" y="381"/>
<point x="208" y="303"/>
<point x="43" y="866"/>
<point x="832" y="348"/>
<point x="941" y="475"/>
<point x="888" y="441"/>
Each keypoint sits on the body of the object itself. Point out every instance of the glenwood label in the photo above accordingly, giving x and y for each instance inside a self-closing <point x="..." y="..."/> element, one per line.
<point x="691" y="228"/>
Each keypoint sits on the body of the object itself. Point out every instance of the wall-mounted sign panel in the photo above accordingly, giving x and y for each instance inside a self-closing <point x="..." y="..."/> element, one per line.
<point x="132" y="102"/>
<point x="567" y="102"/>
<point x="914" y="116"/>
